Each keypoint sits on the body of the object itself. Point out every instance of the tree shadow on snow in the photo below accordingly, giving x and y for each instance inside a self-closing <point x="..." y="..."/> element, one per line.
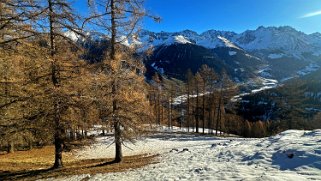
<point x="292" y="159"/>
<point x="181" y="137"/>
<point x="22" y="175"/>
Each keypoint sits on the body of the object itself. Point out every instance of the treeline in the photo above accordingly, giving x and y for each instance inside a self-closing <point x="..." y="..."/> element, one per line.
<point x="204" y="103"/>
<point x="201" y="104"/>
<point x="291" y="106"/>
<point x="48" y="93"/>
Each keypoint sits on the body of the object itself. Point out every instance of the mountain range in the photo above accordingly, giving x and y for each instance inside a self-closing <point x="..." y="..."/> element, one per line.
<point x="279" y="53"/>
<point x="271" y="52"/>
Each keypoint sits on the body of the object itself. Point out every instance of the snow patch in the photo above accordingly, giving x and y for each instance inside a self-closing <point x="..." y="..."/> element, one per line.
<point x="228" y="43"/>
<point x="72" y="35"/>
<point x="231" y="53"/>
<point x="276" y="56"/>
<point x="308" y="69"/>
<point x="181" y="39"/>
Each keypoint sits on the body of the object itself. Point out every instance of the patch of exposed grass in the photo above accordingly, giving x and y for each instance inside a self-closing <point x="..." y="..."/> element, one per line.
<point x="32" y="159"/>
<point x="36" y="164"/>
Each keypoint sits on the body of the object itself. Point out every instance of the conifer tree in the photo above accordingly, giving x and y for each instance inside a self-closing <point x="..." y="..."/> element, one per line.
<point x="119" y="20"/>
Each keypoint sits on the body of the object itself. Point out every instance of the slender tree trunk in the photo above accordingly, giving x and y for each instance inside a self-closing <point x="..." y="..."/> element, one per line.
<point x="162" y="114"/>
<point x="118" y="149"/>
<point x="155" y="107"/>
<point x="218" y="112"/>
<point x="86" y="133"/>
<point x="58" y="140"/>
<point x="82" y="132"/>
<point x="58" y="151"/>
<point x="158" y="109"/>
<point x="72" y="134"/>
<point x="168" y="114"/>
<point x="217" y="119"/>
<point x="214" y="114"/>
<point x="220" y="120"/>
<point x="11" y="147"/>
<point x="117" y="129"/>
<point x="209" y="119"/>
<point x="188" y="107"/>
<point x="204" y="108"/>
<point x="197" y="110"/>
<point x="113" y="30"/>
<point x="30" y="144"/>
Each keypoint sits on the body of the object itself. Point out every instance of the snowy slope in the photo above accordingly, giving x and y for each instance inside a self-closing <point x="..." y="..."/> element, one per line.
<point x="211" y="158"/>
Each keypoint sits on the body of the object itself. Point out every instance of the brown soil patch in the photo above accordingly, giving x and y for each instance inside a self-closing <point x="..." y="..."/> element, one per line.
<point x="36" y="164"/>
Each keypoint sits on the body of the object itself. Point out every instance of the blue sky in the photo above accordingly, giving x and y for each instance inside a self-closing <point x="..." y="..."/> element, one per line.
<point x="232" y="15"/>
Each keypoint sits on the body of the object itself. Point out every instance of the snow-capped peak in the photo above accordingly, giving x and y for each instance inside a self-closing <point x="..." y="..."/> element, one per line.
<point x="72" y="35"/>
<point x="181" y="39"/>
<point x="285" y="40"/>
<point x="228" y="43"/>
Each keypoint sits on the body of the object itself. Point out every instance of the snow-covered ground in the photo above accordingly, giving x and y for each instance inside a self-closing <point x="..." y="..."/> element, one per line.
<point x="212" y="158"/>
<point x="308" y="69"/>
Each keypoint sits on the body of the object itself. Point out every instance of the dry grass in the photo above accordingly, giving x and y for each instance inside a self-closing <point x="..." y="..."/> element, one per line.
<point x="36" y="164"/>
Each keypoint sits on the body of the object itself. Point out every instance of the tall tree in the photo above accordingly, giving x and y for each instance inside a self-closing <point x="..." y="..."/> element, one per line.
<point x="198" y="109"/>
<point x="48" y="21"/>
<point x="189" y="85"/>
<point x="119" y="20"/>
<point x="227" y="89"/>
<point x="209" y="79"/>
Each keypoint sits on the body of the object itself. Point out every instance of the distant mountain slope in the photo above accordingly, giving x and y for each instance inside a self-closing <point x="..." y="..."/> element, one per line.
<point x="283" y="51"/>
<point x="285" y="38"/>
<point x="277" y="53"/>
<point x="174" y="60"/>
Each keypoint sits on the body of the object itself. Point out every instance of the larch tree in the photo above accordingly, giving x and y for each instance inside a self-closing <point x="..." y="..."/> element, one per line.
<point x="119" y="20"/>
<point x="189" y="91"/>
<point x="18" y="75"/>
<point x="209" y="84"/>
<point x="227" y="89"/>
<point x="198" y="109"/>
<point x="48" y="21"/>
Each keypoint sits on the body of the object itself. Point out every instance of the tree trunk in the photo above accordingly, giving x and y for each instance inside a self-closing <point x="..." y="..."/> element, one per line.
<point x="196" y="111"/>
<point x="55" y="80"/>
<point x="117" y="129"/>
<point x="161" y="114"/>
<point x="188" y="104"/>
<point x="169" y="119"/>
<point x="209" y="119"/>
<point x="30" y="145"/>
<point x="219" y="111"/>
<point x="119" y="154"/>
<point x="113" y="30"/>
<point x="82" y="132"/>
<point x="220" y="120"/>
<point x="72" y="134"/>
<point x="217" y="118"/>
<point x="59" y="142"/>
<point x="59" y="146"/>
<point x="204" y="108"/>
<point x="158" y="109"/>
<point x="11" y="147"/>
